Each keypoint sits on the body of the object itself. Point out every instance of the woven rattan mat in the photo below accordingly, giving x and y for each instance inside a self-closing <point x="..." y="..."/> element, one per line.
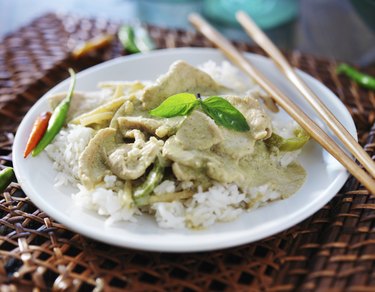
<point x="332" y="250"/>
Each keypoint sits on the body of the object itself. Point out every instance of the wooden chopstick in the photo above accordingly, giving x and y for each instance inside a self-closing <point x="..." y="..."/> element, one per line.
<point x="292" y="109"/>
<point x="266" y="44"/>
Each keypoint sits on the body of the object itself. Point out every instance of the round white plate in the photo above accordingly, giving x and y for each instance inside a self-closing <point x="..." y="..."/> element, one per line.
<point x="325" y="175"/>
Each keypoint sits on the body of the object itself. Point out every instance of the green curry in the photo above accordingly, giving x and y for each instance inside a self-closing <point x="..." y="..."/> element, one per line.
<point x="142" y="150"/>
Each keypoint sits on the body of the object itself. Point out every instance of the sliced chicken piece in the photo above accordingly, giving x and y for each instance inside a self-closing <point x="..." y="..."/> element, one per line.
<point x="92" y="162"/>
<point x="157" y="127"/>
<point x="130" y="161"/>
<point x="141" y="123"/>
<point x="127" y="108"/>
<point x="103" y="155"/>
<point x="138" y="136"/>
<point x="199" y="131"/>
<point x="235" y="144"/>
<point x="198" y="165"/>
<point x="169" y="127"/>
<point x="181" y="77"/>
<point x="259" y="122"/>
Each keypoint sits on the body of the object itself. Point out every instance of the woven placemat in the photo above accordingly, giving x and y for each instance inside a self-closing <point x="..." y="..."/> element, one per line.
<point x="332" y="250"/>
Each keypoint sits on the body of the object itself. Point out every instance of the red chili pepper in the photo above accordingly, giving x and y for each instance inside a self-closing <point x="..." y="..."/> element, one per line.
<point x="39" y="128"/>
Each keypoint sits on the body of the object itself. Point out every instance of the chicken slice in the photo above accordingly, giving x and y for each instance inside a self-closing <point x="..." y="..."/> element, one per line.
<point x="181" y="77"/>
<point x="130" y="161"/>
<point x="198" y="131"/>
<point x="92" y="162"/>
<point x="103" y="156"/>
<point x="235" y="144"/>
<point x="259" y="122"/>
<point x="198" y="165"/>
<point x="157" y="127"/>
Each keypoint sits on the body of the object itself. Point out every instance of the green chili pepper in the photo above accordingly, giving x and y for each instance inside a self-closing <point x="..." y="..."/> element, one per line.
<point x="57" y="119"/>
<point x="290" y="144"/>
<point x="141" y="194"/>
<point x="135" y="39"/>
<point x="362" y="79"/>
<point x="6" y="176"/>
<point x="127" y="38"/>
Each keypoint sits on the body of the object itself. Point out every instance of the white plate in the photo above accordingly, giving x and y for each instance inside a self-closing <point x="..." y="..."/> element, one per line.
<point x="325" y="175"/>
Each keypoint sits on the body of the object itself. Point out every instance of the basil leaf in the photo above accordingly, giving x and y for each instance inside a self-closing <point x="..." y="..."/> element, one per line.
<point x="179" y="104"/>
<point x="224" y="113"/>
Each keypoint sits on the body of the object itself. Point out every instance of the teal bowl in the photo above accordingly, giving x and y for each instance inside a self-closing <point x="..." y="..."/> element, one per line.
<point x="266" y="13"/>
<point x="366" y="10"/>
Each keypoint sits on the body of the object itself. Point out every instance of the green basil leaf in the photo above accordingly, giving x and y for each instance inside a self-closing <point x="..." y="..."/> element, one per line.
<point x="224" y="113"/>
<point x="179" y="104"/>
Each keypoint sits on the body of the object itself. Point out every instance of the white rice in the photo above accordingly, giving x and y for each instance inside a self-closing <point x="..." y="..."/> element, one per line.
<point x="220" y="203"/>
<point x="65" y="151"/>
<point x="227" y="75"/>
<point x="115" y="205"/>
<point x="166" y="186"/>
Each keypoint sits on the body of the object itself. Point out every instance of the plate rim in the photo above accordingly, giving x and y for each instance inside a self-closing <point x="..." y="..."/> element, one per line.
<point x="236" y="238"/>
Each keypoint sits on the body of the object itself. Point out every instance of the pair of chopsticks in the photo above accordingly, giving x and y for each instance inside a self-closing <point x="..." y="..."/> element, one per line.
<point x="289" y="106"/>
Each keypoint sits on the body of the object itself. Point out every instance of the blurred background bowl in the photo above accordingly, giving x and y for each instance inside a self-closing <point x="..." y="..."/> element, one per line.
<point x="366" y="10"/>
<point x="167" y="13"/>
<point x="266" y="13"/>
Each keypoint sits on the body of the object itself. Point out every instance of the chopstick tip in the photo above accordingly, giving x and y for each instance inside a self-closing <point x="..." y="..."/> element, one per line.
<point x="245" y="19"/>
<point x="194" y="16"/>
<point x="240" y="13"/>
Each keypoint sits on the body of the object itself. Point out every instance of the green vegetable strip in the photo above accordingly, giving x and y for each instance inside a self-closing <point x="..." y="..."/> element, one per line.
<point x="6" y="176"/>
<point x="364" y="80"/>
<point x="141" y="194"/>
<point x="290" y="144"/>
<point x="127" y="39"/>
<point x="57" y="119"/>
